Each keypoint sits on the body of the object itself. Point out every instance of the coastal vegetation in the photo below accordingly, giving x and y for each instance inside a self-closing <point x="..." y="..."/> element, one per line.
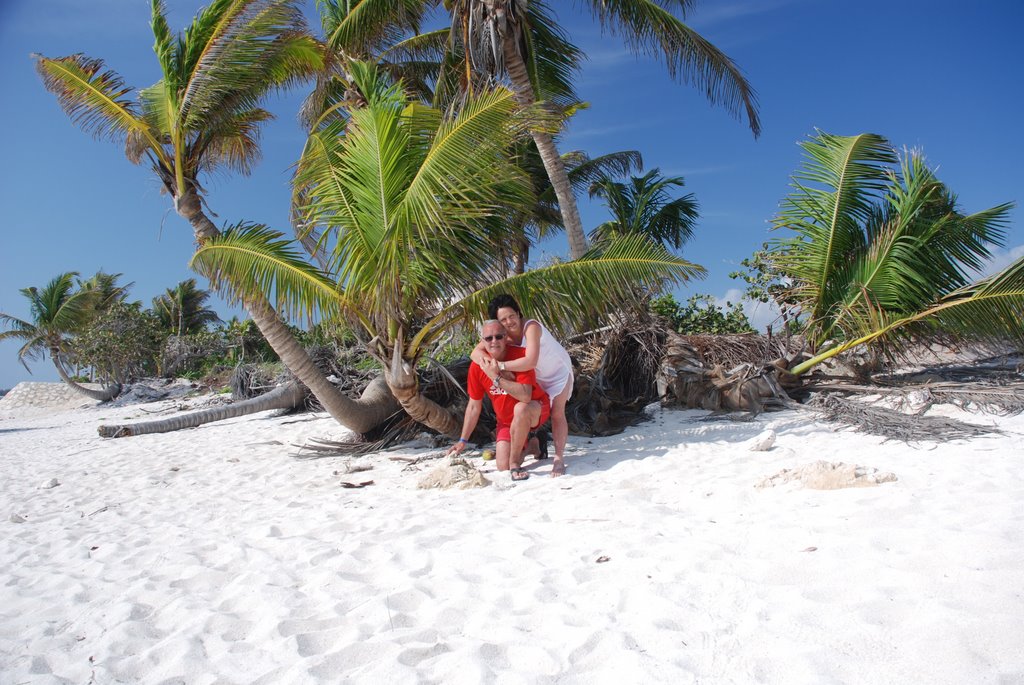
<point x="431" y="167"/>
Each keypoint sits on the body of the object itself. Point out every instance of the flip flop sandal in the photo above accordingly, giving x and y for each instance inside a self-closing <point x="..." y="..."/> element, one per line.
<point x="520" y="474"/>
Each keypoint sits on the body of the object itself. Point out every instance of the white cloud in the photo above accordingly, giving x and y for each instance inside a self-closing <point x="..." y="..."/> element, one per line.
<point x="759" y="314"/>
<point x="707" y="16"/>
<point x="1001" y="259"/>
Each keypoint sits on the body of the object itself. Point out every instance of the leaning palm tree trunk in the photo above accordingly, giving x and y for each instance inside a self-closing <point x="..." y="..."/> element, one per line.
<point x="553" y="163"/>
<point x="102" y="395"/>
<point x="285" y="396"/>
<point x="403" y="381"/>
<point x="360" y="415"/>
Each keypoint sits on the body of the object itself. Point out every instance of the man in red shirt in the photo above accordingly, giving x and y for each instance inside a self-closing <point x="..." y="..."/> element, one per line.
<point x="519" y="403"/>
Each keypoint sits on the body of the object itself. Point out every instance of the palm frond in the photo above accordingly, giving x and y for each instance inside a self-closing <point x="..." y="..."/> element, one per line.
<point x="234" y="143"/>
<point x="649" y="28"/>
<point x="991" y="310"/>
<point x="94" y="99"/>
<point x="235" y="52"/>
<point x="251" y="260"/>
<point x="425" y="48"/>
<point x="849" y="175"/>
<point x="364" y="28"/>
<point x="572" y="295"/>
<point x="164" y="45"/>
<point x="584" y="170"/>
<point x="552" y="60"/>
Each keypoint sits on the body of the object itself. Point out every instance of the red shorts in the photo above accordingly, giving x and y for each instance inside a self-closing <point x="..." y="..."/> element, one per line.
<point x="504" y="430"/>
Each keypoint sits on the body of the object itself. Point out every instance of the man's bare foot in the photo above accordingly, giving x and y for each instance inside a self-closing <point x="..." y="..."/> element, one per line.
<point x="557" y="467"/>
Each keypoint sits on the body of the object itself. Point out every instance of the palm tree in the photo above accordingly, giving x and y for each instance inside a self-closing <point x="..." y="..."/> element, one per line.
<point x="59" y="310"/>
<point x="581" y="169"/>
<point x="414" y="203"/>
<point x="181" y="309"/>
<point x="646" y="206"/>
<point x="519" y="39"/>
<point x="882" y="254"/>
<point x="204" y="115"/>
<point x="386" y="32"/>
<point x="106" y="289"/>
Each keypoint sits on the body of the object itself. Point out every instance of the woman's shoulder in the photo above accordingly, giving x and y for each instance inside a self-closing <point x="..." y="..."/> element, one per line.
<point x="535" y="322"/>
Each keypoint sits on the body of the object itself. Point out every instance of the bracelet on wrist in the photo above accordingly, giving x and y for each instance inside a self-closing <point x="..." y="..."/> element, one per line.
<point x="463" y="441"/>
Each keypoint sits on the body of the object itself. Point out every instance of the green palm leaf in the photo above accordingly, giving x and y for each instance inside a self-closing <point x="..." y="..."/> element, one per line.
<point x="990" y="310"/>
<point x="249" y="260"/>
<point x="366" y="27"/>
<point x="58" y="311"/>
<point x="648" y="28"/>
<point x="94" y="99"/>
<point x="228" y="64"/>
<point x="883" y="255"/>
<point x="848" y="176"/>
<point x="583" y="292"/>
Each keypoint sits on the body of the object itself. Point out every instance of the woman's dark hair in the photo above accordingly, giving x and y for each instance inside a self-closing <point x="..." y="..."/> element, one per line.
<point x="503" y="300"/>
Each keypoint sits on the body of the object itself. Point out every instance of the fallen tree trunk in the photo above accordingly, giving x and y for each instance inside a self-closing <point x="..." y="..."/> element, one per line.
<point x="288" y="396"/>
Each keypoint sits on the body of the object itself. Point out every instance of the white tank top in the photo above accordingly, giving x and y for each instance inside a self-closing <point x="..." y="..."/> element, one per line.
<point x="554" y="368"/>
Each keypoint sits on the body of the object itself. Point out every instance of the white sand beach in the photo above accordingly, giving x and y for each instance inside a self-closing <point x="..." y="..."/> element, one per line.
<point x="213" y="555"/>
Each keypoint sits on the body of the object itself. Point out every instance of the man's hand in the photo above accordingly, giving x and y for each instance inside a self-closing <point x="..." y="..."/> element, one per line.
<point x="456" y="448"/>
<point x="490" y="367"/>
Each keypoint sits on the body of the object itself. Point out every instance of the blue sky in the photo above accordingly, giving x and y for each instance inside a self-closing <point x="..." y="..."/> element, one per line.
<point x="946" y="77"/>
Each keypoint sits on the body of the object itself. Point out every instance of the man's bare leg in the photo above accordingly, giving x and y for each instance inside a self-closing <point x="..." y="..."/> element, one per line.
<point x="501" y="455"/>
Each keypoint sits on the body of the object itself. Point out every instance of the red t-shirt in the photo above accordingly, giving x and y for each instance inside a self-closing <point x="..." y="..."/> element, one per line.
<point x="504" y="404"/>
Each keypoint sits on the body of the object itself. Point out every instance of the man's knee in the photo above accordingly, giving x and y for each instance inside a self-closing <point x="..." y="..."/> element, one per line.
<point x="527" y="412"/>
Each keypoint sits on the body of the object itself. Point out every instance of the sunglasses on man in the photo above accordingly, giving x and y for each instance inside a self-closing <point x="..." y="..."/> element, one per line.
<point x="496" y="336"/>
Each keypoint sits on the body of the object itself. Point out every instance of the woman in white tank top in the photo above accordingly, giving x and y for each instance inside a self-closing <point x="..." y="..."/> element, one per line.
<point x="546" y="357"/>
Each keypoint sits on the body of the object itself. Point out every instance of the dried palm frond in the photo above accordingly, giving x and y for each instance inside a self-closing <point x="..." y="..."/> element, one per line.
<point x="746" y="348"/>
<point x="253" y="380"/>
<point x="894" y="425"/>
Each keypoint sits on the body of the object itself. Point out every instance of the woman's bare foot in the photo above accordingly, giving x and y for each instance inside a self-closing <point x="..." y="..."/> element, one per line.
<point x="557" y="467"/>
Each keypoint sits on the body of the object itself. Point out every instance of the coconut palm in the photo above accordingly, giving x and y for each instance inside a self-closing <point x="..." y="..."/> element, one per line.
<point x="415" y="205"/>
<point x="58" y="310"/>
<point x="520" y="40"/>
<point x="204" y="116"/>
<point x="645" y="206"/>
<point x="182" y="309"/>
<point x="106" y="289"/>
<point x="386" y="32"/>
<point x="882" y="254"/>
<point x="581" y="169"/>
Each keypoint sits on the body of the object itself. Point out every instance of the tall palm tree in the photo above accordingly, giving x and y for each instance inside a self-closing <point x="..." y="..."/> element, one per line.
<point x="204" y="115"/>
<point x="182" y="309"/>
<point x="882" y="254"/>
<point x="59" y="310"/>
<point x="415" y="205"/>
<point x="581" y="169"/>
<point x="646" y="206"/>
<point x="517" y="39"/>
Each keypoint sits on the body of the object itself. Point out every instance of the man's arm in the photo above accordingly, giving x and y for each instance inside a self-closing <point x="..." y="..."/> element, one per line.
<point x="521" y="391"/>
<point x="468" y="425"/>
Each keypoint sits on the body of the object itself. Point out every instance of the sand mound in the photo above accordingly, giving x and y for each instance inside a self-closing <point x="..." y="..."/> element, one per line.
<point x="825" y="475"/>
<point x="456" y="473"/>
<point x="46" y="396"/>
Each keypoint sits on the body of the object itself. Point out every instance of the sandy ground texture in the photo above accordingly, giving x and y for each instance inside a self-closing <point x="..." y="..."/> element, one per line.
<point x="213" y="555"/>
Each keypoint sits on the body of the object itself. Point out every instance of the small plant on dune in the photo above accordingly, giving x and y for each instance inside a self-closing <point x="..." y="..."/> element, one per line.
<point x="701" y="315"/>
